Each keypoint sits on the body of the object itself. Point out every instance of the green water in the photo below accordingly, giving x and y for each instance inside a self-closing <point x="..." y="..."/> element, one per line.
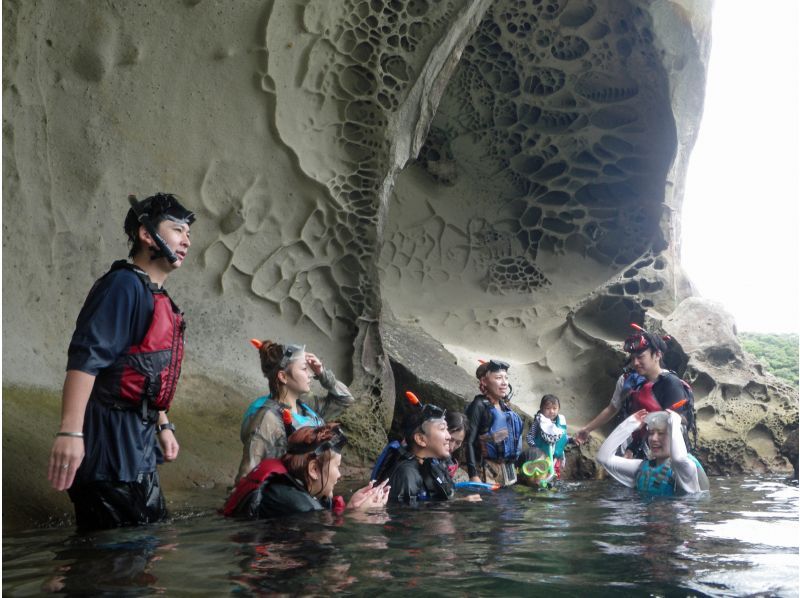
<point x="589" y="538"/>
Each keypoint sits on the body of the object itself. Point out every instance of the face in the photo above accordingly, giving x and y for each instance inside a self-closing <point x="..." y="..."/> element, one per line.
<point x="550" y="410"/>
<point x="495" y="384"/>
<point x="177" y="237"/>
<point x="646" y="363"/>
<point x="434" y="439"/>
<point x="456" y="440"/>
<point x="323" y="478"/>
<point x="297" y="375"/>
<point x="658" y="439"/>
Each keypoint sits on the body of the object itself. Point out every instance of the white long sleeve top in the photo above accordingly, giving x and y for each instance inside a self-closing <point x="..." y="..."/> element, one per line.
<point x="688" y="476"/>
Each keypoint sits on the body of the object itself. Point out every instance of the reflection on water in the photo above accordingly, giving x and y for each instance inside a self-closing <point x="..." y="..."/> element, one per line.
<point x="593" y="538"/>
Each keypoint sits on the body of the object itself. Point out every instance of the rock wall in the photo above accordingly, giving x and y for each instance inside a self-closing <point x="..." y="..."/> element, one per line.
<point x="505" y="175"/>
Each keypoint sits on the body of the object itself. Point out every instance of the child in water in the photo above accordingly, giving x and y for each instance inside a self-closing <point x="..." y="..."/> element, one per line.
<point x="548" y="434"/>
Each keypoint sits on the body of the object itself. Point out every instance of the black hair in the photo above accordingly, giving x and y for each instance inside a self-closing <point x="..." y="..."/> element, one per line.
<point x="547" y="400"/>
<point x="158" y="207"/>
<point x="457" y="421"/>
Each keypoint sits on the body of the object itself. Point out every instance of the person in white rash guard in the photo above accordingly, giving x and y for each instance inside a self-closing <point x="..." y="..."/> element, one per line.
<point x="670" y="470"/>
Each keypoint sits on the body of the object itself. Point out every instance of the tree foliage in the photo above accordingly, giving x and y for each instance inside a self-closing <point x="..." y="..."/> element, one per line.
<point x="778" y="352"/>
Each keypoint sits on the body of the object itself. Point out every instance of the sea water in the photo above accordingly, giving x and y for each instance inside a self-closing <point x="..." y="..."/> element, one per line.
<point x="592" y="538"/>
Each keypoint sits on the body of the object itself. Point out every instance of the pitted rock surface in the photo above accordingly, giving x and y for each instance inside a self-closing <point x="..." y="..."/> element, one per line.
<point x="508" y="175"/>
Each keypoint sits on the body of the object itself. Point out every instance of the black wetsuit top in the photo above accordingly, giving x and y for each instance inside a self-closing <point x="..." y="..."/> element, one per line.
<point x="412" y="481"/>
<point x="280" y="495"/>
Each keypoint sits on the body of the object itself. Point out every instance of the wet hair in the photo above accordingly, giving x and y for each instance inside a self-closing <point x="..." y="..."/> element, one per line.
<point x="456" y="421"/>
<point x="549" y="400"/>
<point x="302" y="449"/>
<point x="158" y="207"/>
<point x="270" y="354"/>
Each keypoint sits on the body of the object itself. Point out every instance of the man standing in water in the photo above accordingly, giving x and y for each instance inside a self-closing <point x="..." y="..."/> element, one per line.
<point x="123" y="365"/>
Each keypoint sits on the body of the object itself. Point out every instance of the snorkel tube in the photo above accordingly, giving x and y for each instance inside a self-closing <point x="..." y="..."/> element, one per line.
<point x="144" y="220"/>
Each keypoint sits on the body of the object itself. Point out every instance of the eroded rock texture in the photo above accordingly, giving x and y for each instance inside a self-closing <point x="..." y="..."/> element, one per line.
<point x="505" y="176"/>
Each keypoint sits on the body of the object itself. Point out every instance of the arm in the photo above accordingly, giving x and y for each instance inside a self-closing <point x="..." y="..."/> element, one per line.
<point x="69" y="450"/>
<point x="621" y="469"/>
<point x="600" y="419"/>
<point x="338" y="397"/>
<point x="605" y="416"/>
<point x="265" y="440"/>
<point x="684" y="468"/>
<point x="167" y="440"/>
<point x="475" y="414"/>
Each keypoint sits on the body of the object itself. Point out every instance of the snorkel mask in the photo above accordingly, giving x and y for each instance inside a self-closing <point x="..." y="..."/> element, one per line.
<point x="290" y="353"/>
<point x="643" y="340"/>
<point x="336" y="443"/>
<point x="420" y="414"/>
<point x="541" y="471"/>
<point x="150" y="213"/>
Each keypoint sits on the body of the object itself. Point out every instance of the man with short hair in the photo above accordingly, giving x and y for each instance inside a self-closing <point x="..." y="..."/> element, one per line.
<point x="123" y="366"/>
<point x="421" y="473"/>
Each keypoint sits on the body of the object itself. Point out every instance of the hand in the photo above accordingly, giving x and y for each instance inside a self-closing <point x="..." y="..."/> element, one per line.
<point x="640" y="415"/>
<point x="169" y="445"/>
<point x="65" y="458"/>
<point x="314" y="363"/>
<point x="475" y="479"/>
<point x="370" y="496"/>
<point x="473" y="498"/>
<point x="581" y="436"/>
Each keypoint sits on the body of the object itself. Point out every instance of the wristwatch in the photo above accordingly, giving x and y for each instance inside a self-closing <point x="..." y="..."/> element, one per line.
<point x="168" y="426"/>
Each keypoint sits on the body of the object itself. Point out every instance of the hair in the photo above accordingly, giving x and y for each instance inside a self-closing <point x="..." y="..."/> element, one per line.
<point x="549" y="400"/>
<point x="456" y="421"/>
<point x="482" y="369"/>
<point x="309" y="438"/>
<point x="270" y="354"/>
<point x="158" y="207"/>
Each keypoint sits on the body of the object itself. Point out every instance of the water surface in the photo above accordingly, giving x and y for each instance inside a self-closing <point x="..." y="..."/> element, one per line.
<point x="590" y="538"/>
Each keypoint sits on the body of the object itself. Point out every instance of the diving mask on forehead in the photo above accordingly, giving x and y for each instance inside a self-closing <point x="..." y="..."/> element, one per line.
<point x="335" y="444"/>
<point x="291" y="353"/>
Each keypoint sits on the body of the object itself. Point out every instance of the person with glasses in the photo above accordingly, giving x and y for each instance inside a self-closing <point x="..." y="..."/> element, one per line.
<point x="667" y="468"/>
<point x="420" y="473"/>
<point x="495" y="431"/>
<point x="302" y="480"/>
<point x="644" y="385"/>
<point x="268" y="421"/>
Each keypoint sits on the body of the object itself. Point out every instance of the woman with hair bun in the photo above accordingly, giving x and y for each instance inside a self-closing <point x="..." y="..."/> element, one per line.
<point x="302" y="480"/>
<point x="268" y="421"/>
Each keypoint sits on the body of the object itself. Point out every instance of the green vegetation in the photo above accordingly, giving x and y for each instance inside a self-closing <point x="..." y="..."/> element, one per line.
<point x="778" y="352"/>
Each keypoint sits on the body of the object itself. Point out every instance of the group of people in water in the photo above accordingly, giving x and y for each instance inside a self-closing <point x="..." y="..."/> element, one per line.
<point x="123" y="366"/>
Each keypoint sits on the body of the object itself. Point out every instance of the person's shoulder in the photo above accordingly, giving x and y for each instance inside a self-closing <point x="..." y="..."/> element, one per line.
<point x="406" y="468"/>
<point x="121" y="277"/>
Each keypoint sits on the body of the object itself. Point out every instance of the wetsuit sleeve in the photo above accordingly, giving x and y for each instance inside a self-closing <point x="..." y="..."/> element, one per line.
<point x="266" y="440"/>
<point x="475" y="415"/>
<point x="686" y="473"/>
<point x="337" y="400"/>
<point x="621" y="469"/>
<point x="116" y="315"/>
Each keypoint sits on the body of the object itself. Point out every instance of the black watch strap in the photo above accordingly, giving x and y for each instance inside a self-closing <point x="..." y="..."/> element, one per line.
<point x="168" y="426"/>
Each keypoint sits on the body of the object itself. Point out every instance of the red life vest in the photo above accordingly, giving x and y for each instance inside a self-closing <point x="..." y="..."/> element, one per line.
<point x="147" y="374"/>
<point x="251" y="482"/>
<point x="643" y="398"/>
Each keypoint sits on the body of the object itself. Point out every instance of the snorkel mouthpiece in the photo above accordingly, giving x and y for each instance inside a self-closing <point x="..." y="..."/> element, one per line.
<point x="144" y="219"/>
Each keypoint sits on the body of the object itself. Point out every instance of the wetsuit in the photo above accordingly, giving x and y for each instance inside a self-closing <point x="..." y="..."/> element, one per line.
<point x="263" y="433"/>
<point x="117" y="482"/>
<point x="412" y="481"/>
<point x="685" y="474"/>
<point x="480" y="421"/>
